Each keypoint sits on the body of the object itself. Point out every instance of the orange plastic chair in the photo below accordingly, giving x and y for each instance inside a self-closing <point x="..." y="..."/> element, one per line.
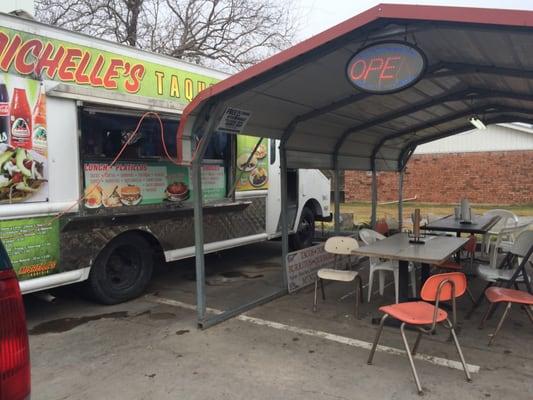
<point x="450" y="265"/>
<point x="497" y="295"/>
<point x="425" y="316"/>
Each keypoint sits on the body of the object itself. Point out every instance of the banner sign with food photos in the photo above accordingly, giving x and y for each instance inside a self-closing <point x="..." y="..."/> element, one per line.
<point x="23" y="141"/>
<point x="32" y="245"/>
<point x="252" y="174"/>
<point x="142" y="183"/>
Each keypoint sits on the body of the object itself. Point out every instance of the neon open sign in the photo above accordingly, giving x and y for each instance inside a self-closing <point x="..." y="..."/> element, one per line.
<point x="386" y="67"/>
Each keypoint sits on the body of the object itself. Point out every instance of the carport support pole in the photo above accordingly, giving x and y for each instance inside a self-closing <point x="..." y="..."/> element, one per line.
<point x="336" y="198"/>
<point x="373" y="217"/>
<point x="400" y="199"/>
<point x="284" y="212"/>
<point x="199" y="223"/>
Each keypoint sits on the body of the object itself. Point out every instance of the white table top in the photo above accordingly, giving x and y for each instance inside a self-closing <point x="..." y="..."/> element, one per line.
<point x="397" y="247"/>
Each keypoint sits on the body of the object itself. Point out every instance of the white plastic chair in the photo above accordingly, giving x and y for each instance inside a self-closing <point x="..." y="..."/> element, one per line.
<point x="341" y="246"/>
<point x="505" y="240"/>
<point x="368" y="236"/>
<point x="507" y="220"/>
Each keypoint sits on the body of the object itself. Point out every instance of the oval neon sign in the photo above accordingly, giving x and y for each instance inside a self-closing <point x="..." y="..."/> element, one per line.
<point x="386" y="67"/>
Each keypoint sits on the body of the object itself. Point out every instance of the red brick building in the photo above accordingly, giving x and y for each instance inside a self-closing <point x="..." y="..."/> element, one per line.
<point x="493" y="166"/>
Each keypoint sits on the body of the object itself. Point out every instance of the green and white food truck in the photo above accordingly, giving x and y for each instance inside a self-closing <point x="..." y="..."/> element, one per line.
<point x="68" y="105"/>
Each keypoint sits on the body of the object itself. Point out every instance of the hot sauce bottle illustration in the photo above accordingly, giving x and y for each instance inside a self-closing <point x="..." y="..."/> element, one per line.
<point x="39" y="122"/>
<point x="4" y="112"/>
<point x="20" y="120"/>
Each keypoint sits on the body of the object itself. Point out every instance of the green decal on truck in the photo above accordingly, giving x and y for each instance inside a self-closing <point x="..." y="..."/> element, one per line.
<point x="32" y="245"/>
<point x="27" y="54"/>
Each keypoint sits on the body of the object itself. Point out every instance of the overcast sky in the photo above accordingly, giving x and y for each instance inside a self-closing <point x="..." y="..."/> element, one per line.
<point x="318" y="15"/>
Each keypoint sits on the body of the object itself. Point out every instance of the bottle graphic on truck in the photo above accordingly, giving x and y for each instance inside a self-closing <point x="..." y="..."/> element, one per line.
<point x="40" y="142"/>
<point x="4" y="113"/>
<point x="20" y="120"/>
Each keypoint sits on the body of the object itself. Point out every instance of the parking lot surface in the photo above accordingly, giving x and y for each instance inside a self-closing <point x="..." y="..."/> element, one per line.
<point x="150" y="348"/>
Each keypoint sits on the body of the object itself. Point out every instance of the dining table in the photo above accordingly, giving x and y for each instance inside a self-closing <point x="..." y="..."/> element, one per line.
<point x="429" y="250"/>
<point x="479" y="224"/>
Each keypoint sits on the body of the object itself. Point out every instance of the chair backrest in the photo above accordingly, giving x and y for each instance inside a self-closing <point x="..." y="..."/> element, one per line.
<point x="448" y="283"/>
<point x="369" y="236"/>
<point x="342" y="245"/>
<point x="523" y="245"/>
<point x="392" y="223"/>
<point x="507" y="218"/>
<point x="470" y="246"/>
<point x="382" y="227"/>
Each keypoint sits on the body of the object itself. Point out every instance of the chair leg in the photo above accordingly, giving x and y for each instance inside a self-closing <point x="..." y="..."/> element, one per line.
<point x="376" y="339"/>
<point x="505" y="313"/>
<point x="460" y="352"/>
<point x="470" y="295"/>
<point x="417" y="342"/>
<point x="381" y="282"/>
<point x="357" y="295"/>
<point x="322" y="288"/>
<point x="315" y="298"/>
<point x="478" y="302"/>
<point x="485" y="316"/>
<point x="370" y="281"/>
<point x="411" y="361"/>
<point x="396" y="274"/>
<point x="529" y="313"/>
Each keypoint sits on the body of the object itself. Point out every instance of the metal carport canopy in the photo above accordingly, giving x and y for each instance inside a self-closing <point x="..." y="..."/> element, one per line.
<point x="479" y="62"/>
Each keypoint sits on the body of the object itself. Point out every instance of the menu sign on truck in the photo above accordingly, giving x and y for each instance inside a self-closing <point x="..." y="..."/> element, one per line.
<point x="32" y="244"/>
<point x="252" y="172"/>
<point x="143" y="183"/>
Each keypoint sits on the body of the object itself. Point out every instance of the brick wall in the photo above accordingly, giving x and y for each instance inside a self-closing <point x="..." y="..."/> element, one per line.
<point x="485" y="177"/>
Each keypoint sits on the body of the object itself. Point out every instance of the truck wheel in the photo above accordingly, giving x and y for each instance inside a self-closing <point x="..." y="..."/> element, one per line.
<point x="306" y="231"/>
<point x="122" y="270"/>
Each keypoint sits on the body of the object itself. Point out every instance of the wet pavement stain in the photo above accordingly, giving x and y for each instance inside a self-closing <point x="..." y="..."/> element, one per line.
<point x="67" y="324"/>
<point x="161" y="315"/>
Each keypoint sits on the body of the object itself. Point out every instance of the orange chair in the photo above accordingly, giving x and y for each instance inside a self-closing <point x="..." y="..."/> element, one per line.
<point x="425" y="316"/>
<point x="450" y="265"/>
<point x="497" y="295"/>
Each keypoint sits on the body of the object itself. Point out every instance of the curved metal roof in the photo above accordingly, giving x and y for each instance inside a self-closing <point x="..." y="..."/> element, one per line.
<point x="479" y="63"/>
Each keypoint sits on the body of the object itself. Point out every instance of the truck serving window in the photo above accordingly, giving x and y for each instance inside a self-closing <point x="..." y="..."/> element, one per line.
<point x="104" y="134"/>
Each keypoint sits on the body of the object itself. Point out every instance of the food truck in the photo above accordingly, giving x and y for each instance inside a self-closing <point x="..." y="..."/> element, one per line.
<point x="89" y="192"/>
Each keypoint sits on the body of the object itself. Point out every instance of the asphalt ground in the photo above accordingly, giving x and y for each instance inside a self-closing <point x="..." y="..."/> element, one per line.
<point x="150" y="348"/>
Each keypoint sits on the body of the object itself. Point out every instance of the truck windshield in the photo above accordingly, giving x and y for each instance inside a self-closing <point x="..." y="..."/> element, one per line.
<point x="4" y="259"/>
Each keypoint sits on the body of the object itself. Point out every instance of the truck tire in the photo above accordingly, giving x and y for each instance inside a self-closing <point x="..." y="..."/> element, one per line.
<point x="122" y="270"/>
<point x="305" y="234"/>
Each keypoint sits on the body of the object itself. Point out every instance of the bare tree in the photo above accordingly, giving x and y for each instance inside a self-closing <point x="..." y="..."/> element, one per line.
<point x="235" y="33"/>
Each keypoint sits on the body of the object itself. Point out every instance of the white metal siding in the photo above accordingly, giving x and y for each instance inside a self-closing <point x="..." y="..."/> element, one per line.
<point x="10" y="5"/>
<point x="494" y="138"/>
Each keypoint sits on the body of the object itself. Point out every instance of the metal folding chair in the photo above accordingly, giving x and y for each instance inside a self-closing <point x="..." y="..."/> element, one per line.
<point x="425" y="316"/>
<point x="340" y="246"/>
<point x="511" y="271"/>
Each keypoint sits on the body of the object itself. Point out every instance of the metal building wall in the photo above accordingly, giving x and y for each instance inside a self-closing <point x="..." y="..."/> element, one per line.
<point x="494" y="138"/>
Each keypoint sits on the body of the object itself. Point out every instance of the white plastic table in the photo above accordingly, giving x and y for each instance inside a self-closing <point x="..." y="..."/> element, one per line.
<point x="435" y="250"/>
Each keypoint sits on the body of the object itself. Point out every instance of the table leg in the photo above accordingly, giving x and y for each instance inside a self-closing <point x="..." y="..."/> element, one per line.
<point x="424" y="274"/>
<point x="403" y="278"/>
